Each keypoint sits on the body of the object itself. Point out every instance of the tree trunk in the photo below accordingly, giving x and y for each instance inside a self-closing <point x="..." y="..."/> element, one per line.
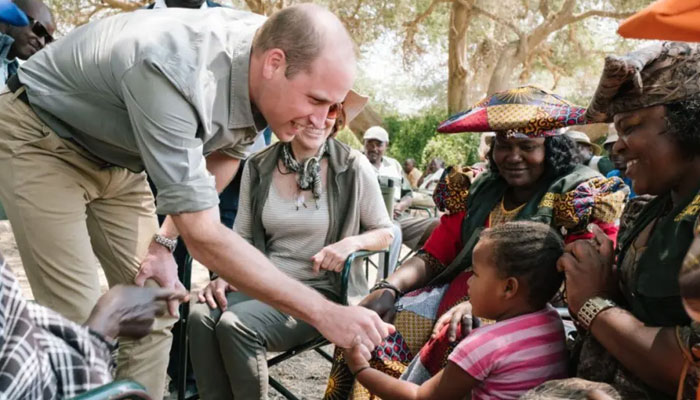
<point x="503" y="76"/>
<point x="458" y="63"/>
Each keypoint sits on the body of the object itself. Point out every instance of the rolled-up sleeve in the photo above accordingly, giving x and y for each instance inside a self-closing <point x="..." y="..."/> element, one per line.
<point x="241" y="150"/>
<point x="165" y="128"/>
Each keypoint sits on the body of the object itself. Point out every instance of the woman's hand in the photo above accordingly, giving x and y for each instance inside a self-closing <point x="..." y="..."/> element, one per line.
<point x="382" y="302"/>
<point x="215" y="293"/>
<point x="588" y="266"/>
<point x="333" y="256"/>
<point x="459" y="314"/>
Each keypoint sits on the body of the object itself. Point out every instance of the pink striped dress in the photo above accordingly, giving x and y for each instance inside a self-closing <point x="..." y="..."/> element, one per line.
<point x="512" y="356"/>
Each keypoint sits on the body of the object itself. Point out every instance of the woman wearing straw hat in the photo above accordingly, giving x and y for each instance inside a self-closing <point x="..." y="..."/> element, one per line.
<point x="307" y="205"/>
<point x="532" y="176"/>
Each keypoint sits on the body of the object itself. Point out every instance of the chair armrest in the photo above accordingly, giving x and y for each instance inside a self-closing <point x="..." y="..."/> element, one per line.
<point x="432" y="211"/>
<point x="345" y="275"/>
<point x="116" y="390"/>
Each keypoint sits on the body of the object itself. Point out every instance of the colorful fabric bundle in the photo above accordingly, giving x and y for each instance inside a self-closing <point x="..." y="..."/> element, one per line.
<point x="527" y="110"/>
<point x="450" y="194"/>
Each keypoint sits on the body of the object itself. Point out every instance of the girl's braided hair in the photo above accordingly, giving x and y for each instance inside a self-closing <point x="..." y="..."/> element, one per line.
<point x="528" y="251"/>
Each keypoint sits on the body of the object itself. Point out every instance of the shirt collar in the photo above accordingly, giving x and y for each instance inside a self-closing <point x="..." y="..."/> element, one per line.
<point x="6" y="42"/>
<point x="161" y="4"/>
<point x="242" y="113"/>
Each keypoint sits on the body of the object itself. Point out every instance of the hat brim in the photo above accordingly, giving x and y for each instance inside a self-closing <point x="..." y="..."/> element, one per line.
<point x="353" y="105"/>
<point x="665" y="20"/>
<point x="527" y="110"/>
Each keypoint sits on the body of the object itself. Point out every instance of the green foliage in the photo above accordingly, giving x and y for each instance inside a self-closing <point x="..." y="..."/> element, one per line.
<point x="455" y="149"/>
<point x="346" y="136"/>
<point x="415" y="137"/>
<point x="408" y="136"/>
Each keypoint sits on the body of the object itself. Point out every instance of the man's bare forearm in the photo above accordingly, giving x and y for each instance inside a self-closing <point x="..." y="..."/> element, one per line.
<point x="237" y="262"/>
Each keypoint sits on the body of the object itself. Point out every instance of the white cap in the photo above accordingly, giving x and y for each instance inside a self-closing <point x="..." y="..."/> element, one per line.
<point x="376" y="133"/>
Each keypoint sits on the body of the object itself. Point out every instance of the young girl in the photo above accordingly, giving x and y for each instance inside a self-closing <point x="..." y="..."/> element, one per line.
<point x="514" y="276"/>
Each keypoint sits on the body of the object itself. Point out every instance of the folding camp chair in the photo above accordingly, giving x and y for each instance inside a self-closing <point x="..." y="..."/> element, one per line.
<point x="117" y="390"/>
<point x="317" y="343"/>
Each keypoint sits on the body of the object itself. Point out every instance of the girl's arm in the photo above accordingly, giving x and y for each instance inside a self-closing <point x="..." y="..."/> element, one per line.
<point x="452" y="383"/>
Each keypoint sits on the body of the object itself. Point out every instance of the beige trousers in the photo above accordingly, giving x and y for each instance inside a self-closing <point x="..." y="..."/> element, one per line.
<point x="65" y="208"/>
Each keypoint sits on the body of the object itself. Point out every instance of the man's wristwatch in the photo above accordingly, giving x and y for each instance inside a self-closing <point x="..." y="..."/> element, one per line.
<point x="383" y="284"/>
<point x="591" y="308"/>
<point x="165" y="241"/>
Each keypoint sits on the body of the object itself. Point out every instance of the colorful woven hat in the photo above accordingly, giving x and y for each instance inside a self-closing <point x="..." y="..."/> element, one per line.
<point x="665" y="19"/>
<point x="526" y="110"/>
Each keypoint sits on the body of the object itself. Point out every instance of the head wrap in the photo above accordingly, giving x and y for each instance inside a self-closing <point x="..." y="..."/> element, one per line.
<point x="661" y="73"/>
<point x="526" y="110"/>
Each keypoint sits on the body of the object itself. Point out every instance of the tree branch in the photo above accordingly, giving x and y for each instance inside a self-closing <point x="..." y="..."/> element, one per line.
<point x="425" y="14"/>
<point x="499" y="20"/>
<point x="544" y="8"/>
<point x="409" y="42"/>
<point x="601" y="13"/>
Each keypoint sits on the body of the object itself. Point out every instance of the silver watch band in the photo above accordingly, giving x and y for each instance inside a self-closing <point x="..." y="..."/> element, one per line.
<point x="170" y="244"/>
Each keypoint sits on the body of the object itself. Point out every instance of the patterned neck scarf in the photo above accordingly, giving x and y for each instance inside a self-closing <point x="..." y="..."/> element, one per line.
<point x="308" y="171"/>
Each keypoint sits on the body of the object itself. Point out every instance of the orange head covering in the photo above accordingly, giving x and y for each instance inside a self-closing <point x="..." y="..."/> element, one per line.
<point x="666" y="20"/>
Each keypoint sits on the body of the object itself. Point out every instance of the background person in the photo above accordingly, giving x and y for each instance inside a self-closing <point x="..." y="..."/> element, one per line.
<point x="21" y="42"/>
<point x="411" y="172"/>
<point x="411" y="231"/>
<point x="589" y="153"/>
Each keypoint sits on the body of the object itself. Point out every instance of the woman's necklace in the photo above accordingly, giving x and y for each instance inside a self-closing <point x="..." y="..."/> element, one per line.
<point x="308" y="173"/>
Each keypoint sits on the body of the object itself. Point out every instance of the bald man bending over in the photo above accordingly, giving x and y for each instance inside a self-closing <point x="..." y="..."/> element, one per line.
<point x="181" y="98"/>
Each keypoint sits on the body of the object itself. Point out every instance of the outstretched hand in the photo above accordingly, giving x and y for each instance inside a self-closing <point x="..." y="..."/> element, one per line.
<point x="357" y="357"/>
<point x="130" y="310"/>
<point x="347" y="326"/>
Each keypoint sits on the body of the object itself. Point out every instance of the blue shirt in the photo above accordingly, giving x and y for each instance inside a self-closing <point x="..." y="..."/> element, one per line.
<point x="7" y="67"/>
<point x="628" y="181"/>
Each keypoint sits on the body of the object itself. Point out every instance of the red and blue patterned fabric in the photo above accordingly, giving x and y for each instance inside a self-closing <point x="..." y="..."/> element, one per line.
<point x="526" y="110"/>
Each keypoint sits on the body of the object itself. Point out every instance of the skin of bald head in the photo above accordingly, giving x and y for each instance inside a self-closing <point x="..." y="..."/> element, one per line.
<point x="302" y="63"/>
<point x="27" y="42"/>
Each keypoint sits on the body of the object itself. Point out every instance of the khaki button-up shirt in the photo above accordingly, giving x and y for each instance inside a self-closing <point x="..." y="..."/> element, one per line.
<point x="155" y="91"/>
